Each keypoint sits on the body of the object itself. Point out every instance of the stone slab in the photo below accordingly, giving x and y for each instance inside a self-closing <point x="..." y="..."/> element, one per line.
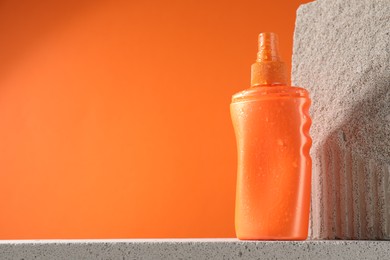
<point x="192" y="249"/>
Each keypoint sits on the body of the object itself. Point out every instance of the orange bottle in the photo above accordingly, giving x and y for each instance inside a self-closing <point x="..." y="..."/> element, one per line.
<point x="271" y="122"/>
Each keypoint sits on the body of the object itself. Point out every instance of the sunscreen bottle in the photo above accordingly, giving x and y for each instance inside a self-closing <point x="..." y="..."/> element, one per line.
<point x="271" y="123"/>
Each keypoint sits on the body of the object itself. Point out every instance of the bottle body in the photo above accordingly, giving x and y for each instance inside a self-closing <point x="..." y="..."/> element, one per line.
<point x="271" y="125"/>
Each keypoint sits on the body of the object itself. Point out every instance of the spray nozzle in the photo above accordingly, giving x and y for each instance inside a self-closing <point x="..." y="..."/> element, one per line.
<point x="269" y="69"/>
<point x="268" y="47"/>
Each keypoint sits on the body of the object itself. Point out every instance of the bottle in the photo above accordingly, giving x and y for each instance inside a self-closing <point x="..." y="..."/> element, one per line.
<point x="271" y="123"/>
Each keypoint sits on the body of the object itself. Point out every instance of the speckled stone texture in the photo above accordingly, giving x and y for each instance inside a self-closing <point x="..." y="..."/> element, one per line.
<point x="342" y="56"/>
<point x="192" y="249"/>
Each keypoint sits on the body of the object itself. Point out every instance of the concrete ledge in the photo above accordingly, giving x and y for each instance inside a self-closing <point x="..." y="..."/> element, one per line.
<point x="192" y="249"/>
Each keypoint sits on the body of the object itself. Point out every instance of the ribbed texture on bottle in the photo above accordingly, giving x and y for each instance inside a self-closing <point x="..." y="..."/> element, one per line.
<point x="306" y="124"/>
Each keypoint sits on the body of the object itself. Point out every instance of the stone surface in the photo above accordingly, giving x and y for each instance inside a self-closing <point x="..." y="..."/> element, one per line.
<point x="192" y="249"/>
<point x="342" y="56"/>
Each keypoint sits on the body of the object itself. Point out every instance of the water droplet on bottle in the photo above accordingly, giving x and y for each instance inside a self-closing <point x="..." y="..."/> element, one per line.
<point x="295" y="164"/>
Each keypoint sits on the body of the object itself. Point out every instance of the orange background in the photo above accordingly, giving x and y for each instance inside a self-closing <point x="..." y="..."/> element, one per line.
<point x="115" y="114"/>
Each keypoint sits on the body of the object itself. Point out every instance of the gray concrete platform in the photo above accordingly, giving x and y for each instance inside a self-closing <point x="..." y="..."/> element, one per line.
<point x="192" y="249"/>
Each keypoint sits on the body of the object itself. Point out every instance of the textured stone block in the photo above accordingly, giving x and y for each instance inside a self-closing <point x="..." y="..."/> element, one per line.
<point x="342" y="56"/>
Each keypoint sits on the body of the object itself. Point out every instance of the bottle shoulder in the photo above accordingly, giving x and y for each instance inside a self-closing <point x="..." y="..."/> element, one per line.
<point x="264" y="92"/>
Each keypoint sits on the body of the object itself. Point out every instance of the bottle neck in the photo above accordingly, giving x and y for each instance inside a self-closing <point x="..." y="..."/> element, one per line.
<point x="268" y="73"/>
